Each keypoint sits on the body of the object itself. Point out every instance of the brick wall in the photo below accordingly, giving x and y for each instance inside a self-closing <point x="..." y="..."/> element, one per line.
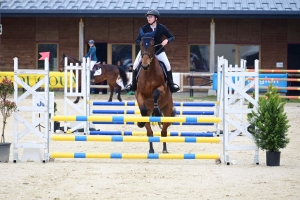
<point x="17" y="40"/>
<point x="20" y="36"/>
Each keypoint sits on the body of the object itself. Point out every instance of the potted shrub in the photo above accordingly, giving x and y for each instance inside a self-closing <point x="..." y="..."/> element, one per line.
<point x="7" y="108"/>
<point x="271" y="125"/>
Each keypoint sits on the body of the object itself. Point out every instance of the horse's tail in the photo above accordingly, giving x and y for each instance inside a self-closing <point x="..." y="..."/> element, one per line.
<point x="123" y="75"/>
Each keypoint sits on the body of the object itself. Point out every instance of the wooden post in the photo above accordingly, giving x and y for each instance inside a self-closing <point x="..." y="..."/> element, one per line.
<point x="81" y="39"/>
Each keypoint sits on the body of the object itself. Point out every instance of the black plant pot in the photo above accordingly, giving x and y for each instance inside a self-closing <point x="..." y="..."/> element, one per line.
<point x="273" y="158"/>
<point x="4" y="152"/>
<point x="56" y="126"/>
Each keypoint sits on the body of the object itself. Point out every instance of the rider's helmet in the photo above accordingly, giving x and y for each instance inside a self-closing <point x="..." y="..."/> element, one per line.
<point x="91" y="42"/>
<point x="153" y="12"/>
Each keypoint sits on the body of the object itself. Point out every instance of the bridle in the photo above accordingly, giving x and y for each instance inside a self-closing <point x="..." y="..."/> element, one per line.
<point x="151" y="57"/>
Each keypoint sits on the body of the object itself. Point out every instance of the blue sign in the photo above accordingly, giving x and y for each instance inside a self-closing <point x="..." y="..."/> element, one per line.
<point x="262" y="83"/>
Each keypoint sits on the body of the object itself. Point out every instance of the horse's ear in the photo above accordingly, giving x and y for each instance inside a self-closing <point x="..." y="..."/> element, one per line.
<point x="141" y="32"/>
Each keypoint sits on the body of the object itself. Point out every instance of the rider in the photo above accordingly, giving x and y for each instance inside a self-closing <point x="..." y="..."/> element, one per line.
<point x="92" y="55"/>
<point x="161" y="30"/>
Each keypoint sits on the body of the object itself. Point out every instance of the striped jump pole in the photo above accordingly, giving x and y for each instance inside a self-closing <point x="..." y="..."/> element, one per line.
<point x="178" y="104"/>
<point x="132" y="155"/>
<point x="98" y="138"/>
<point x="276" y="70"/>
<point x="137" y="119"/>
<point x="141" y="133"/>
<point x="174" y="123"/>
<point x="132" y="112"/>
<point x="277" y="79"/>
<point x="281" y="88"/>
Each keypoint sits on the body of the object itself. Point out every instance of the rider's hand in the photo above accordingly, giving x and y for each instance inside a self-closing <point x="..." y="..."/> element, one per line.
<point x="164" y="42"/>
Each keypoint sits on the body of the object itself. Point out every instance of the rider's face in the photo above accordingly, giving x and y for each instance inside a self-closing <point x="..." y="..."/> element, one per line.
<point x="150" y="18"/>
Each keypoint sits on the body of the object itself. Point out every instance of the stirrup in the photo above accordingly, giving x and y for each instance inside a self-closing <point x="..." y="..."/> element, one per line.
<point x="129" y="88"/>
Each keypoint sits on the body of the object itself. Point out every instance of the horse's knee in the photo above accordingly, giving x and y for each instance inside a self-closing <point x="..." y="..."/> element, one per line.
<point x="156" y="94"/>
<point x="143" y="110"/>
<point x="173" y="114"/>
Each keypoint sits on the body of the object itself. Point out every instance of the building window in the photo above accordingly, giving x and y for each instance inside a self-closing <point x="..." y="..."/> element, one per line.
<point x="122" y="53"/>
<point x="199" y="58"/>
<point x="250" y="54"/>
<point x="200" y="55"/>
<point x="52" y="49"/>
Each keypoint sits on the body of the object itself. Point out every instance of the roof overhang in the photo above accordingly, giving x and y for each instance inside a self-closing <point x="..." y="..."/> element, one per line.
<point x="140" y="13"/>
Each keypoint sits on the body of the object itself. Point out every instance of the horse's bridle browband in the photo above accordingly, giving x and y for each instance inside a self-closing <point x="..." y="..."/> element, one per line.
<point x="151" y="58"/>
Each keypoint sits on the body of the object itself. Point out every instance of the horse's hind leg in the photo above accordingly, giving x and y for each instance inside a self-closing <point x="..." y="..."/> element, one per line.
<point x="164" y="134"/>
<point x="119" y="93"/>
<point x="111" y="88"/>
<point x="149" y="134"/>
<point x="77" y="100"/>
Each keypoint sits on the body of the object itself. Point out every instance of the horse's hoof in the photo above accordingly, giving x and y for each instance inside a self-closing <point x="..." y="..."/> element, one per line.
<point x="141" y="124"/>
<point x="109" y="100"/>
<point x="120" y="99"/>
<point x="151" y="151"/>
<point x="165" y="151"/>
<point x="75" y="102"/>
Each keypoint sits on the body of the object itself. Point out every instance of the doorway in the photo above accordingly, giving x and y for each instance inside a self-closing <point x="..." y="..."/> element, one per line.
<point x="293" y="64"/>
<point x="101" y="53"/>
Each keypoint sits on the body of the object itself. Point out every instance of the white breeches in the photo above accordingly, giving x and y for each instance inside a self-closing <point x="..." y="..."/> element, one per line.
<point x="92" y="63"/>
<point x="161" y="57"/>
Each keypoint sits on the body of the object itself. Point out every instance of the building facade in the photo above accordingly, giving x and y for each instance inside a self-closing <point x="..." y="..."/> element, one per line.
<point x="266" y="31"/>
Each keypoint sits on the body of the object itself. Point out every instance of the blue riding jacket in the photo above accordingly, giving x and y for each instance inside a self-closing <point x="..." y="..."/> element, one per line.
<point x="92" y="54"/>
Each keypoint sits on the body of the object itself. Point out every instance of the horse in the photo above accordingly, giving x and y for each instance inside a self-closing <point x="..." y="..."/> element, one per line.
<point x="153" y="95"/>
<point x="108" y="72"/>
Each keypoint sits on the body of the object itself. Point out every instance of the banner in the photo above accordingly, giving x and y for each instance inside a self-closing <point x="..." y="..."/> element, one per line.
<point x="56" y="79"/>
<point x="262" y="83"/>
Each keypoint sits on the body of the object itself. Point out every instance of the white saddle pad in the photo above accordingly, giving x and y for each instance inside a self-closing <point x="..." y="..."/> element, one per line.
<point x="98" y="72"/>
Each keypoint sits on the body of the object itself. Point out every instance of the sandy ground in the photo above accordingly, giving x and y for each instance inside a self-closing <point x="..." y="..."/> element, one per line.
<point x="153" y="179"/>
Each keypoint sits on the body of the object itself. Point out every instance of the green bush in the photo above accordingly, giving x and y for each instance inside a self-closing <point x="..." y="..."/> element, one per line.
<point x="270" y="122"/>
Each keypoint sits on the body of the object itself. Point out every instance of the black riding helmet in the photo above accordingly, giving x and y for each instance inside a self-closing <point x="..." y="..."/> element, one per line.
<point x="153" y="12"/>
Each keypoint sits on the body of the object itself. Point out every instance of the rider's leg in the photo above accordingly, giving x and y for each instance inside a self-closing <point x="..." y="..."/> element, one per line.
<point x="92" y="63"/>
<point x="163" y="58"/>
<point x="133" y="85"/>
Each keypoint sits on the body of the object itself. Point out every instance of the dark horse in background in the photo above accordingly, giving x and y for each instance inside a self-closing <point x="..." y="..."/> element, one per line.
<point x="153" y="95"/>
<point x="108" y="72"/>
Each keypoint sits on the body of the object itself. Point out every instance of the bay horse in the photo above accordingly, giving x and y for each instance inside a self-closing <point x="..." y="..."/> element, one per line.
<point x="108" y="72"/>
<point x="153" y="95"/>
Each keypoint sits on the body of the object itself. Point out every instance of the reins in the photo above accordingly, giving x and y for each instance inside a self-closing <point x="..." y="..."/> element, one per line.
<point x="154" y="53"/>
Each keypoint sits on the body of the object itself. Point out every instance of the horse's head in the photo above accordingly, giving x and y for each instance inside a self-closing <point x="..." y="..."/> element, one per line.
<point x="61" y="63"/>
<point x="70" y="59"/>
<point x="147" y="48"/>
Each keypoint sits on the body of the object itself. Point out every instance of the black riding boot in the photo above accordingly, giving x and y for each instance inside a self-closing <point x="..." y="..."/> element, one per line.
<point x="92" y="76"/>
<point x="173" y="86"/>
<point x="133" y="85"/>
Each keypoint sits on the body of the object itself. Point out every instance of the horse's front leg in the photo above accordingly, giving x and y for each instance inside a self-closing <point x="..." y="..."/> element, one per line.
<point x="119" y="93"/>
<point x="111" y="88"/>
<point x="156" y="110"/>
